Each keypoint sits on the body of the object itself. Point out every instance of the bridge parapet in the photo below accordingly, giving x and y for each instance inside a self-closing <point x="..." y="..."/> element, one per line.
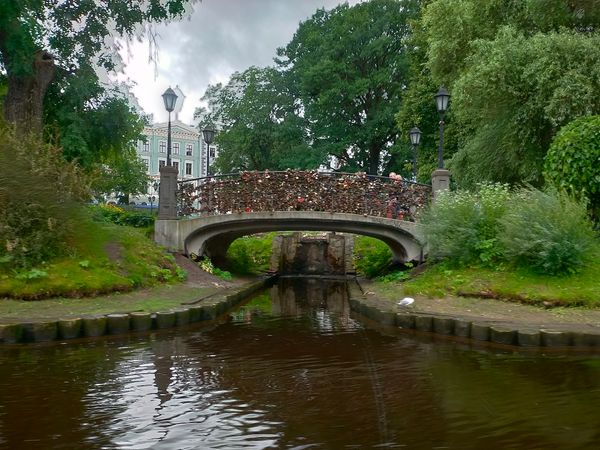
<point x="294" y="190"/>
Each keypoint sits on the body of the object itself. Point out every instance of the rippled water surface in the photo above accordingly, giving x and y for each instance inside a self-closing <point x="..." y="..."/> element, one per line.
<point x="295" y="369"/>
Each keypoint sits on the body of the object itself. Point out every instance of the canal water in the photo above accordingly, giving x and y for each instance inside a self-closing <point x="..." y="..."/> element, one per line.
<point x="294" y="368"/>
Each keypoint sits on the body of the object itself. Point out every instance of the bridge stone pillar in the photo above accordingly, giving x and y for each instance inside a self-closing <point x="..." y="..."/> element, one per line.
<point x="440" y="181"/>
<point x="167" y="194"/>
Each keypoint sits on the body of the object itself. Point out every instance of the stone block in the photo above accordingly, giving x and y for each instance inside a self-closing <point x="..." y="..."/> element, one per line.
<point x="552" y="338"/>
<point x="585" y="339"/>
<point x="182" y="317"/>
<point x="423" y="323"/>
<point x="406" y="321"/>
<point x="195" y="313"/>
<point x="387" y="318"/>
<point x="11" y="333"/>
<point x="40" y="331"/>
<point x="462" y="328"/>
<point x="140" y="321"/>
<point x="529" y="338"/>
<point x="94" y="326"/>
<point x="209" y="311"/>
<point x="165" y="319"/>
<point x="70" y="328"/>
<point x="480" y="331"/>
<point x="117" y="323"/>
<point x="502" y="335"/>
<point x="443" y="325"/>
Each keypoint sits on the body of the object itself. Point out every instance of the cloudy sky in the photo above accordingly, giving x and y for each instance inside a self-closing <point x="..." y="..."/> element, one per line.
<point x="220" y="37"/>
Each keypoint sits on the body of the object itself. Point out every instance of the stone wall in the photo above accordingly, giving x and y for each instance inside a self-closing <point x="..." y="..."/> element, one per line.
<point x="323" y="254"/>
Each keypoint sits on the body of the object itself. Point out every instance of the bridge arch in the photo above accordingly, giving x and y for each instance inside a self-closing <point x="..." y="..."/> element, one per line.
<point x="212" y="235"/>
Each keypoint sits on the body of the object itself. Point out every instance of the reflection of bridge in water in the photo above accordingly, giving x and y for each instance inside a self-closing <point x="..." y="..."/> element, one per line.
<point x="215" y="211"/>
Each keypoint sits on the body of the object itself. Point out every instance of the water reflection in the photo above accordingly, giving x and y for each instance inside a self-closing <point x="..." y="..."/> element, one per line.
<point x="293" y="369"/>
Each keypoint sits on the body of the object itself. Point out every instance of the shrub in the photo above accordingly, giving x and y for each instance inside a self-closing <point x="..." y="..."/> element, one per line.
<point x="250" y="254"/>
<point x="573" y="161"/>
<point x="549" y="232"/>
<point x="372" y="257"/>
<point x="39" y="195"/>
<point x="462" y="226"/>
<point x="119" y="216"/>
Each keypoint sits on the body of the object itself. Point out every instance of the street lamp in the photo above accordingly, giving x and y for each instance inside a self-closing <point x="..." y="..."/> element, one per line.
<point x="208" y="134"/>
<point x="169" y="97"/>
<point x="152" y="199"/>
<point x="415" y="139"/>
<point x="441" y="101"/>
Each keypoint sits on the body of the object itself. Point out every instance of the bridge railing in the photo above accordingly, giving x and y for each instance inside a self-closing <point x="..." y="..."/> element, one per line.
<point x="355" y="193"/>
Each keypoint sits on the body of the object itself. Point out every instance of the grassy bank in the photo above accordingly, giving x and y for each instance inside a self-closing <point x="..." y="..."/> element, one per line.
<point x="522" y="285"/>
<point x="159" y="298"/>
<point x="102" y="258"/>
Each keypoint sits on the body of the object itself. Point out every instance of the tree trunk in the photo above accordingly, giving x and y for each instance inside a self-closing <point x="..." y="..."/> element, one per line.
<point x="25" y="97"/>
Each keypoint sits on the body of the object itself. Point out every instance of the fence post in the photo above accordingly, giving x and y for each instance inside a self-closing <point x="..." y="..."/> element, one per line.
<point x="167" y="193"/>
<point x="440" y="181"/>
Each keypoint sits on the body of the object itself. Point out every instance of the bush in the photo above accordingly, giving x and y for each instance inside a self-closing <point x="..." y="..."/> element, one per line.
<point x="372" y="257"/>
<point x="39" y="200"/>
<point x="119" y="216"/>
<point x="250" y="255"/>
<point x="462" y="226"/>
<point x="549" y="232"/>
<point x="573" y="161"/>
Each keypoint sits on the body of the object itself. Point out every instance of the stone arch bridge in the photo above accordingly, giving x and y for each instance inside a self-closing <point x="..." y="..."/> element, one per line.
<point x="214" y="211"/>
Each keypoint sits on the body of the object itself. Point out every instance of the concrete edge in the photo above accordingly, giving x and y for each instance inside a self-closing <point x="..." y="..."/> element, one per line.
<point x="118" y="324"/>
<point x="480" y="330"/>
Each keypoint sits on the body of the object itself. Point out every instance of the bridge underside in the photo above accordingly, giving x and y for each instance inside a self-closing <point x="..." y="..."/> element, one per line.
<point x="212" y="235"/>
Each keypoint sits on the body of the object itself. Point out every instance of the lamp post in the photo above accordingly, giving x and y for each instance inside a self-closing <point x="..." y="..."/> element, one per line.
<point x="169" y="97"/>
<point x="415" y="139"/>
<point x="152" y="199"/>
<point x="208" y="134"/>
<point x="167" y="195"/>
<point x="441" y="101"/>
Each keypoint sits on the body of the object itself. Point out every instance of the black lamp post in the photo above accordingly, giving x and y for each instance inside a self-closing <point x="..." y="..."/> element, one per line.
<point x="415" y="139"/>
<point x="441" y="101"/>
<point x="208" y="134"/>
<point x="169" y="97"/>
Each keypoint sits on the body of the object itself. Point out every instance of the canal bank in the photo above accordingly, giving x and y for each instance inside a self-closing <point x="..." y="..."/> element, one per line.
<point x="484" y="320"/>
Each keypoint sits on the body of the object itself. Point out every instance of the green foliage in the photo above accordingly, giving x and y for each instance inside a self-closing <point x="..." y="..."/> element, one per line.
<point x="119" y="216"/>
<point x="549" y="232"/>
<point x="397" y="275"/>
<point x="260" y="125"/>
<point x="349" y="66"/>
<point x="207" y="265"/>
<point x="88" y="268"/>
<point x="39" y="192"/>
<point x="573" y="161"/>
<point x="250" y="255"/>
<point x="462" y="227"/>
<point x="509" y="113"/>
<point x="372" y="257"/>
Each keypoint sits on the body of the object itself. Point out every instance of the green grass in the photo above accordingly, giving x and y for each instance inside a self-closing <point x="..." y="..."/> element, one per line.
<point x="88" y="270"/>
<point x="580" y="289"/>
<point x="159" y="298"/>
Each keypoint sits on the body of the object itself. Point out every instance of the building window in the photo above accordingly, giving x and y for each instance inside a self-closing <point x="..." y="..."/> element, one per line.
<point x="162" y="163"/>
<point x="176" y="165"/>
<point x="176" y="148"/>
<point x="162" y="146"/>
<point x="188" y="168"/>
<point x="189" y="150"/>
<point x="146" y="146"/>
<point x="146" y="163"/>
<point x="212" y="152"/>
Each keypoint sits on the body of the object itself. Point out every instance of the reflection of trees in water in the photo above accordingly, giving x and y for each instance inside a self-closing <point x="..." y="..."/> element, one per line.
<point x="47" y="395"/>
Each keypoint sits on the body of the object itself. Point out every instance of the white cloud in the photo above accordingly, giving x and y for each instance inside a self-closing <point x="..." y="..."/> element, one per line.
<point x="221" y="37"/>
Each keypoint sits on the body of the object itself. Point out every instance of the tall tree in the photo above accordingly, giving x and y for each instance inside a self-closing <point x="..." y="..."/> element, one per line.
<point x="36" y="35"/>
<point x="349" y="66"/>
<point x="260" y="127"/>
<point x="518" y="70"/>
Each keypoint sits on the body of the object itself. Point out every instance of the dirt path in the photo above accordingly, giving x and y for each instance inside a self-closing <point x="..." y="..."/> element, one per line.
<point x="493" y="311"/>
